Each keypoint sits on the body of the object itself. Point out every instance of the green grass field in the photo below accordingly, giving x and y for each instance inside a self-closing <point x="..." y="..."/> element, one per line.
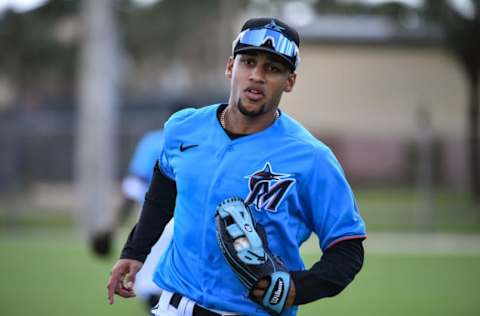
<point x="395" y="209"/>
<point x="387" y="209"/>
<point x="53" y="274"/>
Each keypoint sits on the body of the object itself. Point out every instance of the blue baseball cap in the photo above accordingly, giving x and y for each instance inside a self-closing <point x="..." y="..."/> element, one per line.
<point x="270" y="35"/>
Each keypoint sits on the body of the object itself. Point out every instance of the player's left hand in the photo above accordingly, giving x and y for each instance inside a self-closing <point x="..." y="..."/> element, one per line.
<point x="261" y="287"/>
<point x="244" y="245"/>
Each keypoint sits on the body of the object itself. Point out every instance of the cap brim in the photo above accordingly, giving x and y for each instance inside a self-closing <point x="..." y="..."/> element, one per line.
<point x="268" y="50"/>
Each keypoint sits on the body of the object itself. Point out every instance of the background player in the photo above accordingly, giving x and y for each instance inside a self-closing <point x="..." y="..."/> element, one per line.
<point x="134" y="187"/>
<point x="246" y="148"/>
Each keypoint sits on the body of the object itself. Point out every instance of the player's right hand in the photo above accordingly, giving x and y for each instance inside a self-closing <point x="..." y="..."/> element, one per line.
<point x="122" y="278"/>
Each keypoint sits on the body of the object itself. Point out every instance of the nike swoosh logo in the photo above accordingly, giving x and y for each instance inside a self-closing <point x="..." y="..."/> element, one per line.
<point x="183" y="147"/>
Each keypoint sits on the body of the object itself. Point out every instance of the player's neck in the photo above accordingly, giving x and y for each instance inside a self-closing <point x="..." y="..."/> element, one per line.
<point x="236" y="122"/>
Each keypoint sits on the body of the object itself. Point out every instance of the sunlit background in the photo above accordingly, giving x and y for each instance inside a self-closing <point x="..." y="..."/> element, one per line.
<point x="391" y="86"/>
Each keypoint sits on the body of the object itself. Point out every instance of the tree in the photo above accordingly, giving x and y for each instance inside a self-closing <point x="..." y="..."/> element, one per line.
<point x="462" y="38"/>
<point x="98" y="115"/>
<point x="31" y="51"/>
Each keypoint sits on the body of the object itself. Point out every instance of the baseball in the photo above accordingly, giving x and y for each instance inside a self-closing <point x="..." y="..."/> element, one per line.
<point x="241" y="243"/>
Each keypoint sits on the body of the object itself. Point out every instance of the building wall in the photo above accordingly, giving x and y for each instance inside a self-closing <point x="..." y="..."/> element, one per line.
<point x="366" y="101"/>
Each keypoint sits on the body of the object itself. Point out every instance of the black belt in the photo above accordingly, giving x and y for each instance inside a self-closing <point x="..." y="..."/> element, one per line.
<point x="197" y="309"/>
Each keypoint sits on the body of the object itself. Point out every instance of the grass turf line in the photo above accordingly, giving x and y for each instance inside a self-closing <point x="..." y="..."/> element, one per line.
<point x="58" y="276"/>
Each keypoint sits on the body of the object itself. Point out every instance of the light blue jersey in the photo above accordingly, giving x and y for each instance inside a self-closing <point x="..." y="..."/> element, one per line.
<point x="294" y="182"/>
<point x="146" y="154"/>
<point x="140" y="170"/>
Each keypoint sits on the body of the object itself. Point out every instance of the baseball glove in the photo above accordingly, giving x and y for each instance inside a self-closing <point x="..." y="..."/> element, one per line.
<point x="244" y="245"/>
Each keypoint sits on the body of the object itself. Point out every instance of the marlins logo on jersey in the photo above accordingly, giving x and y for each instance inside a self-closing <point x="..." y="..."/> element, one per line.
<point x="267" y="188"/>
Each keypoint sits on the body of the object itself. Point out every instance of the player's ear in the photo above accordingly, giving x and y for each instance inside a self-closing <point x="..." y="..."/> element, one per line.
<point x="228" y="70"/>
<point x="292" y="77"/>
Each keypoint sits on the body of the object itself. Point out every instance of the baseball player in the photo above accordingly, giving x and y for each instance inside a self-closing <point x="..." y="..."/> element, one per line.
<point x="134" y="187"/>
<point x="246" y="185"/>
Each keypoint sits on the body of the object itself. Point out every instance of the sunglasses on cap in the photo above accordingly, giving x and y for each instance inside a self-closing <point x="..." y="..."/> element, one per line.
<point x="269" y="38"/>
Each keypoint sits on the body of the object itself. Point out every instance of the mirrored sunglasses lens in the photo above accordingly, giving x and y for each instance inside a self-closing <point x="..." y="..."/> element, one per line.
<point x="280" y="43"/>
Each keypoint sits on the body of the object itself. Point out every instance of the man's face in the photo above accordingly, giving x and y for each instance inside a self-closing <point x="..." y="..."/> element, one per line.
<point x="257" y="81"/>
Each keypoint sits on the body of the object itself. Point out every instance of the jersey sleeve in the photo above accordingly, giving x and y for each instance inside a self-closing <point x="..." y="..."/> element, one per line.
<point x="332" y="208"/>
<point x="170" y="132"/>
<point x="140" y="169"/>
<point x="164" y="165"/>
<point x="145" y="156"/>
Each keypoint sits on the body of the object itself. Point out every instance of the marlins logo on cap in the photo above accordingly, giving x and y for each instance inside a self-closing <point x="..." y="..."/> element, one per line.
<point x="272" y="25"/>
